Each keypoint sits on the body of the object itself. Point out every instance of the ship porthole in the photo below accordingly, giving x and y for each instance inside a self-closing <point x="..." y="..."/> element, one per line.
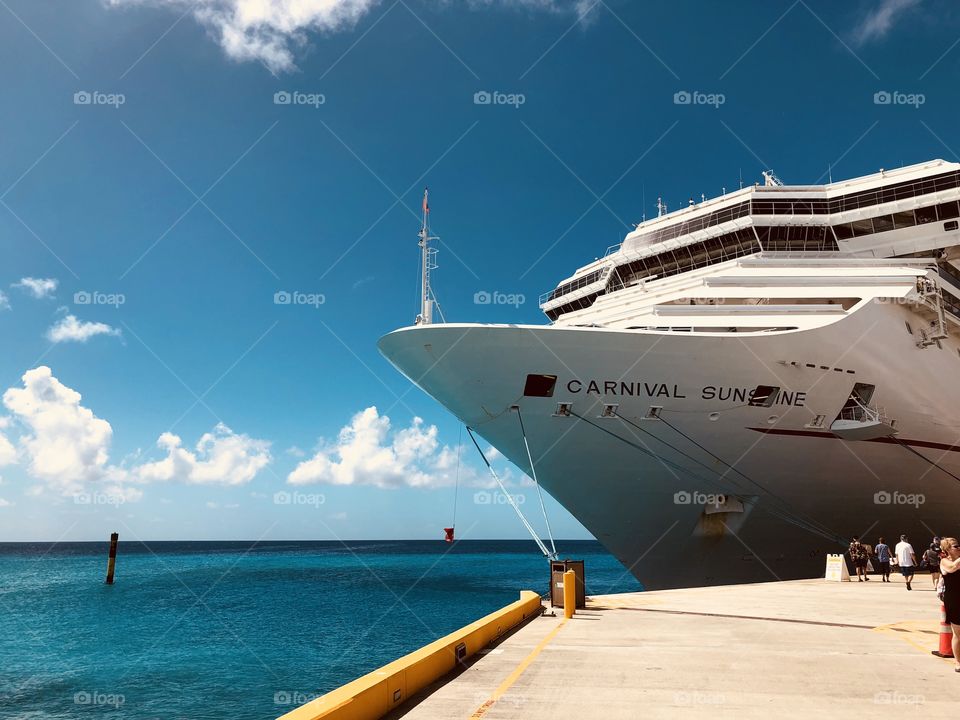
<point x="772" y="419"/>
<point x="714" y="416"/>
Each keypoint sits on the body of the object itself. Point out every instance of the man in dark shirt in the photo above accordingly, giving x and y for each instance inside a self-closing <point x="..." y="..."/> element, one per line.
<point x="858" y="554"/>
<point x="882" y="551"/>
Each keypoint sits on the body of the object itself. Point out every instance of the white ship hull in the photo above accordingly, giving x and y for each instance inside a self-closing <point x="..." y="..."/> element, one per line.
<point x="648" y="511"/>
<point x="838" y="303"/>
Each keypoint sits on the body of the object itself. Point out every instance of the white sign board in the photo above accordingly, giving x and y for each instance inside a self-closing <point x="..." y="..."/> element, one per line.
<point x="837" y="569"/>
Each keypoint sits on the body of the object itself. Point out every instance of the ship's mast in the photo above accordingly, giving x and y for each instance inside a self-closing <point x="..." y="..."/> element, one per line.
<point x="427" y="263"/>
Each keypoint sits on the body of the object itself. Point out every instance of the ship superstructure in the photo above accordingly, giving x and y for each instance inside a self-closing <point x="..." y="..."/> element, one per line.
<point x="744" y="383"/>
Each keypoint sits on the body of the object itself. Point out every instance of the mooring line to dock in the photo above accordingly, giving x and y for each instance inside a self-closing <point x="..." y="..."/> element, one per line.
<point x="513" y="504"/>
<point x="517" y="672"/>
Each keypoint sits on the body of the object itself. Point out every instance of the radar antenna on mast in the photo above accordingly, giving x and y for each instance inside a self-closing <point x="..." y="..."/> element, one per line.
<point x="771" y="180"/>
<point x="428" y="262"/>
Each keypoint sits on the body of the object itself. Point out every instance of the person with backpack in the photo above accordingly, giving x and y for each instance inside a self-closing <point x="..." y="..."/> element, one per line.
<point x="858" y="554"/>
<point x="931" y="562"/>
<point x="950" y="568"/>
<point x="882" y="551"/>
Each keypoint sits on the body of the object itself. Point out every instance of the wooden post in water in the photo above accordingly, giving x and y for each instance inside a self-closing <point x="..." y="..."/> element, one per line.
<point x="112" y="559"/>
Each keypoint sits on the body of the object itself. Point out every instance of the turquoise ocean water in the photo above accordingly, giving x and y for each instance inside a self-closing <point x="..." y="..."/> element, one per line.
<point x="234" y="630"/>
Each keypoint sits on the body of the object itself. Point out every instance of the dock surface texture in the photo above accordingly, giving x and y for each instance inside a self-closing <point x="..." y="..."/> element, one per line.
<point x="796" y="649"/>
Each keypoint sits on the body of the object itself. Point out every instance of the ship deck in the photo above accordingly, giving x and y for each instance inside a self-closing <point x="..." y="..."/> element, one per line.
<point x="796" y="648"/>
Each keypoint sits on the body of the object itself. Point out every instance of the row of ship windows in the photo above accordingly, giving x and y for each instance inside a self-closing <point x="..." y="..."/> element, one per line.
<point x="670" y="262"/>
<point x="854" y="201"/>
<point x="576" y="284"/>
<point x="793" y="238"/>
<point x="697" y="255"/>
<point x="689" y="257"/>
<point x="908" y="218"/>
<point x="777" y="238"/>
<point x="698" y="223"/>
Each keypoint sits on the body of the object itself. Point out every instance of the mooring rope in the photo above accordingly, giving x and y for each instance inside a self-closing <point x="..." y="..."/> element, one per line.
<point x="533" y="533"/>
<point x="533" y="472"/>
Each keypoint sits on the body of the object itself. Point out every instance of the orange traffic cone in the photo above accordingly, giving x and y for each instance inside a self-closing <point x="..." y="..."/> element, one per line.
<point x="946" y="636"/>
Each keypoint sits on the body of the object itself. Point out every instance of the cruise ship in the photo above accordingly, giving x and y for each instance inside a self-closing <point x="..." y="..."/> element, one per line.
<point x="742" y="385"/>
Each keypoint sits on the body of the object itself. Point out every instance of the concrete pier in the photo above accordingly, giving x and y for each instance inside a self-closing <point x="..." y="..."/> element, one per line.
<point x="804" y="648"/>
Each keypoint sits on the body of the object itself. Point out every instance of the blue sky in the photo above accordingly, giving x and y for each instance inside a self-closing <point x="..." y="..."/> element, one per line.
<point x="155" y="197"/>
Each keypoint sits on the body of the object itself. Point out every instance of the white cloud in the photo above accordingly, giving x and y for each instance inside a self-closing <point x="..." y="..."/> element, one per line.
<point x="221" y="457"/>
<point x="270" y="31"/>
<point x="265" y="30"/>
<point x="8" y="453"/>
<point x="69" y="329"/>
<point x="65" y="444"/>
<point x="369" y="452"/>
<point x="5" y="503"/>
<point x="880" y="20"/>
<point x="4" y="301"/>
<point x="38" y="287"/>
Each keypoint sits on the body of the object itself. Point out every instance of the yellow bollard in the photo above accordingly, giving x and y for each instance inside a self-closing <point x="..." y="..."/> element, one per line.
<point x="569" y="593"/>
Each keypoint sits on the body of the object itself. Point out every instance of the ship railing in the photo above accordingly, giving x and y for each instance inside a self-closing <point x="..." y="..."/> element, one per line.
<point x="857" y="412"/>
<point x="598" y="278"/>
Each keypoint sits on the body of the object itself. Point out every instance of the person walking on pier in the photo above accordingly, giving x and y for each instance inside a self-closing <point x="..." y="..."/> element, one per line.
<point x="950" y="567"/>
<point x="882" y="551"/>
<point x="906" y="559"/>
<point x="858" y="554"/>
<point x="931" y="562"/>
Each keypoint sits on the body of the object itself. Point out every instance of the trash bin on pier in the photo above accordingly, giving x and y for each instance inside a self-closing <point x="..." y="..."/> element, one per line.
<point x="557" y="569"/>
